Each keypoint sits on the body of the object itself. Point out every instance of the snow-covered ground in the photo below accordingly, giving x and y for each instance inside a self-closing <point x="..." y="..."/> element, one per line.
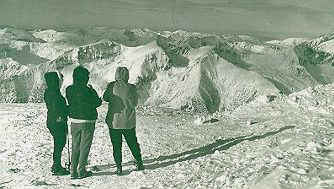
<point x="286" y="143"/>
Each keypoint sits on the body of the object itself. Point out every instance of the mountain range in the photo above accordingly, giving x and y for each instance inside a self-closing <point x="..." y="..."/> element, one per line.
<point x="180" y="70"/>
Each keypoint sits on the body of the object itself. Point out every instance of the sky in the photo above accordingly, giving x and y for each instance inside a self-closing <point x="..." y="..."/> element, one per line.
<point x="276" y="18"/>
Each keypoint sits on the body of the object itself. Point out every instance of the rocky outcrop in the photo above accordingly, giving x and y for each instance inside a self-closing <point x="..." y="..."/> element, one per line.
<point x="317" y="57"/>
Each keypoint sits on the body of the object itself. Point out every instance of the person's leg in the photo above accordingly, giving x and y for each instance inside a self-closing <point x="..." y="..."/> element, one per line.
<point x="131" y="140"/>
<point x="54" y="167"/>
<point x="60" y="140"/>
<point x="116" y="140"/>
<point x="76" y="139"/>
<point x="85" y="144"/>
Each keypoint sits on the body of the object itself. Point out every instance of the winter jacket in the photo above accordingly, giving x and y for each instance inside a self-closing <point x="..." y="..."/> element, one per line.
<point x="82" y="101"/>
<point x="122" y="97"/>
<point x="57" y="108"/>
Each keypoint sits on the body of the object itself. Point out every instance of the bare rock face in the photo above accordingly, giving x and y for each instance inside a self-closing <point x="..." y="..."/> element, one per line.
<point x="181" y="70"/>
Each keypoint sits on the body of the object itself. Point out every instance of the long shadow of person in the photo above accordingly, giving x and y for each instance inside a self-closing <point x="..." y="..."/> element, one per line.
<point x="220" y="145"/>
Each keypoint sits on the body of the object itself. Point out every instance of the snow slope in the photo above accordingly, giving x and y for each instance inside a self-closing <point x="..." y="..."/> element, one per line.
<point x="284" y="143"/>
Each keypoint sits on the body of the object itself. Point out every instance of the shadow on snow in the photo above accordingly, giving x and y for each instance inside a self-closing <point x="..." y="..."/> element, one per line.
<point x="220" y="145"/>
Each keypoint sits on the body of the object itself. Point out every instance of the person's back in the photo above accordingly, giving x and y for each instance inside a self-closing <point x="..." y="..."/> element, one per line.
<point x="83" y="101"/>
<point x="56" y="106"/>
<point x="121" y="117"/>
<point x="122" y="107"/>
<point x="125" y="96"/>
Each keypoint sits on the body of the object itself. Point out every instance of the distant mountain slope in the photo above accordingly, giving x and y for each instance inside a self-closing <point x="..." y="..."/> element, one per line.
<point x="182" y="70"/>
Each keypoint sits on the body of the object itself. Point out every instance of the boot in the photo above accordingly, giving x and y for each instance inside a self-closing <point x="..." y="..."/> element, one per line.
<point x="54" y="169"/>
<point x="74" y="175"/>
<point x="61" y="171"/>
<point x="119" y="170"/>
<point x="140" y="166"/>
<point x="85" y="174"/>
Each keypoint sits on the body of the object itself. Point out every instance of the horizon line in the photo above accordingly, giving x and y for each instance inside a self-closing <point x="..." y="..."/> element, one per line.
<point x="258" y="34"/>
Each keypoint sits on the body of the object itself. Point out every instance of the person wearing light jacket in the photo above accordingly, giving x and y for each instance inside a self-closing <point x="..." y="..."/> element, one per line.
<point x="122" y="100"/>
<point x="83" y="101"/>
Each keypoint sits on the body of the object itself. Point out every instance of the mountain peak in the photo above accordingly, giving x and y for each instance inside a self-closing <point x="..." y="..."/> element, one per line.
<point x="180" y="69"/>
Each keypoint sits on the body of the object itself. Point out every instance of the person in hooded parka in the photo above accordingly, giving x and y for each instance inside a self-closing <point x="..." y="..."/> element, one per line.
<point x="83" y="102"/>
<point x="121" y="117"/>
<point x="57" y="112"/>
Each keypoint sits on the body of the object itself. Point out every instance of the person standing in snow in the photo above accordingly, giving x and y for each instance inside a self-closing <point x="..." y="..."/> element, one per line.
<point x="122" y="100"/>
<point x="83" y="101"/>
<point x="56" y="120"/>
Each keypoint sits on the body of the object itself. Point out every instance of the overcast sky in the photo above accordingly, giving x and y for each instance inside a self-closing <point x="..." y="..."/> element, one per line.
<point x="280" y="18"/>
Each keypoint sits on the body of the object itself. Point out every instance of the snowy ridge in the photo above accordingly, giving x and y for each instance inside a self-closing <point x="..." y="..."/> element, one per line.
<point x="180" y="70"/>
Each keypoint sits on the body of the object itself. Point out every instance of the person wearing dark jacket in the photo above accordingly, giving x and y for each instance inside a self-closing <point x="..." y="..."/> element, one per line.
<point x="83" y="101"/>
<point x="122" y="100"/>
<point x="56" y="120"/>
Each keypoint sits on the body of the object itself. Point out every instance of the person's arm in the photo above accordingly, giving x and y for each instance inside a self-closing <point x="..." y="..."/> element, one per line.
<point x="95" y="100"/>
<point x="107" y="95"/>
<point x="54" y="106"/>
<point x="68" y="95"/>
<point x="62" y="108"/>
<point x="134" y="95"/>
<point x="50" y="102"/>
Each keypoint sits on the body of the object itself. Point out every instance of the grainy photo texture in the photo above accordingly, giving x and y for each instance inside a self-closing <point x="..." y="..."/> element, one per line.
<point x="146" y="94"/>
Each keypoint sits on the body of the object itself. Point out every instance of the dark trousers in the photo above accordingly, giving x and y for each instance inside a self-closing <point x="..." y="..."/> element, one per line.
<point x="59" y="140"/>
<point x="131" y="140"/>
<point x="82" y="137"/>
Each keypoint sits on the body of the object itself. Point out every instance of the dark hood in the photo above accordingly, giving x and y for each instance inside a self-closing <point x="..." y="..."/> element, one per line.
<point x="122" y="74"/>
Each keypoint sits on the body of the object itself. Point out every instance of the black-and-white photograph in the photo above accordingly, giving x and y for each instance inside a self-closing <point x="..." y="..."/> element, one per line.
<point x="164" y="94"/>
